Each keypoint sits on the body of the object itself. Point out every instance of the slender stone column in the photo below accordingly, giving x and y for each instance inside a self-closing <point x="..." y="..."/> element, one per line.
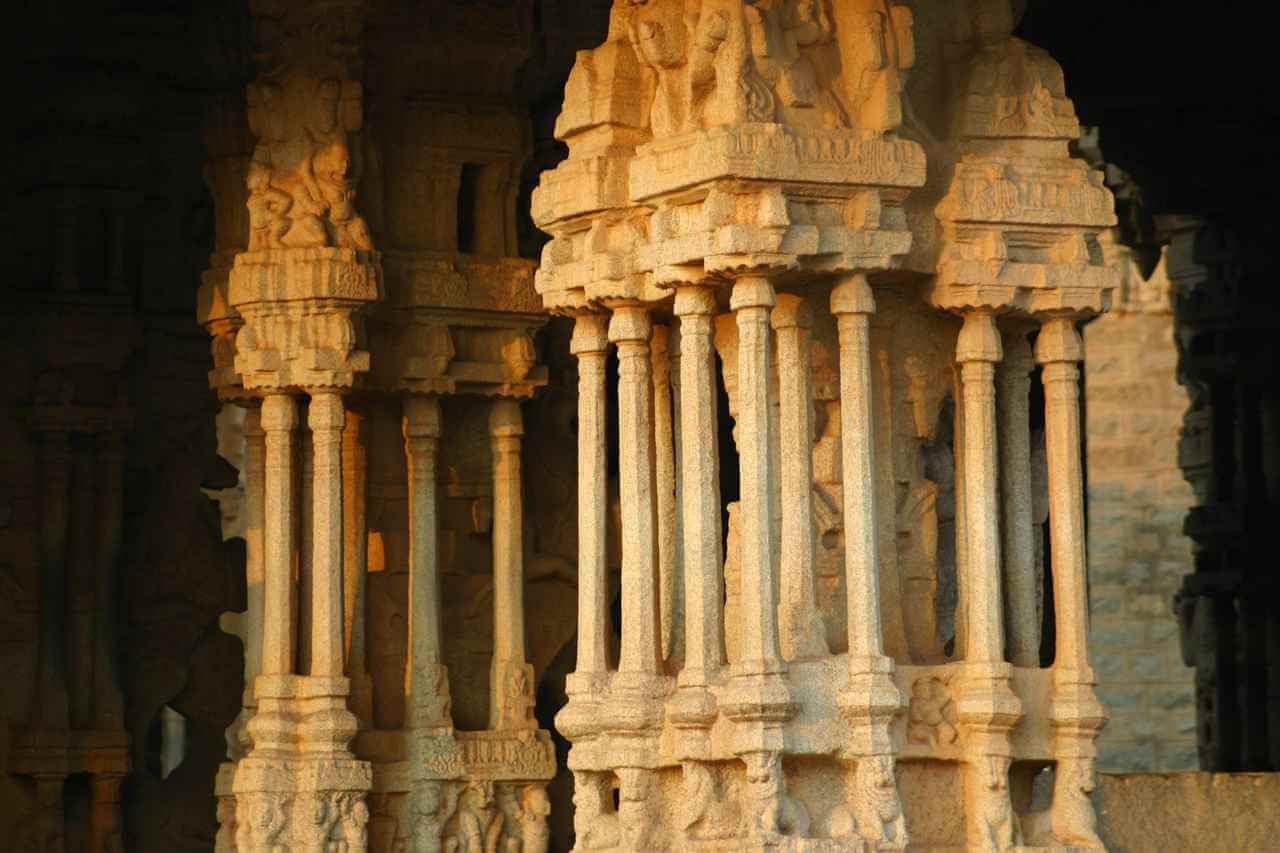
<point x="326" y="417"/>
<point x="254" y="520"/>
<point x="511" y="678"/>
<point x="752" y="300"/>
<point x="51" y="710"/>
<point x="872" y="700"/>
<point x="108" y="701"/>
<point x="355" y="552"/>
<point x="426" y="681"/>
<point x="279" y="417"/>
<point x="986" y="704"/>
<point x="700" y="488"/>
<point x="852" y="303"/>
<point x="675" y="657"/>
<point x="1021" y="586"/>
<point x="1075" y="712"/>
<point x="104" y="817"/>
<point x="960" y="616"/>
<point x="630" y="329"/>
<point x="664" y="487"/>
<point x="693" y="708"/>
<point x="590" y="344"/>
<point x="978" y="351"/>
<point x="304" y="542"/>
<point x="1059" y="350"/>
<point x="801" y="631"/>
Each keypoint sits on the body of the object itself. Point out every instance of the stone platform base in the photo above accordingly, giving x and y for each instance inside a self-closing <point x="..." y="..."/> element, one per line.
<point x="1202" y="812"/>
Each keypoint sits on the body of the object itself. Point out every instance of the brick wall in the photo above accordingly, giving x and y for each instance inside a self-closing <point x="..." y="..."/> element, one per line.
<point x="1137" y="500"/>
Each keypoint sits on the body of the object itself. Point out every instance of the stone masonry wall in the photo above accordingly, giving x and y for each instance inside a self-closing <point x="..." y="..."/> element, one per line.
<point x="1137" y="500"/>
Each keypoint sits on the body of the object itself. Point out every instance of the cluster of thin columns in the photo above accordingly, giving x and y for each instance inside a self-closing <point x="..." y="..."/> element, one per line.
<point x="335" y="552"/>
<point x="995" y="491"/>
<point x="81" y="516"/>
<point x="765" y="433"/>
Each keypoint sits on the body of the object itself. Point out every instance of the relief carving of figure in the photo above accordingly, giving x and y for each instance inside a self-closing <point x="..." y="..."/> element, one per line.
<point x="705" y="813"/>
<point x="261" y="821"/>
<point x="770" y="810"/>
<point x="433" y="804"/>
<point x="303" y="108"/>
<point x="479" y="823"/>
<point x="932" y="715"/>
<point x="531" y="811"/>
<point x="314" y="819"/>
<point x="595" y="824"/>
<point x="876" y="807"/>
<point x="1070" y="820"/>
<point x="989" y="798"/>
<point x="636" y="818"/>
<point x="873" y="813"/>
<point x="353" y="822"/>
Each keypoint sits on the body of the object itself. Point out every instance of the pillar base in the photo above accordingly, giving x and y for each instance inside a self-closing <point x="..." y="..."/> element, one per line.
<point x="300" y="788"/>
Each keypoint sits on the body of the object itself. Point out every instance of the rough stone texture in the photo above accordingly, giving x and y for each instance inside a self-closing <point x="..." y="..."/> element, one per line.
<point x="1138" y="501"/>
<point x="1155" y="813"/>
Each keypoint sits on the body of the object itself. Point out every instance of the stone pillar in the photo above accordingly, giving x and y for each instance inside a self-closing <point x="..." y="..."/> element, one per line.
<point x="304" y="541"/>
<point x="801" y="632"/>
<point x="326" y="418"/>
<point x="590" y="344"/>
<point x="52" y="708"/>
<point x="752" y="300"/>
<point x="693" y="708"/>
<point x="104" y="817"/>
<point x="630" y="329"/>
<point x="871" y="701"/>
<point x="279" y="417"/>
<point x="108" y="701"/>
<point x="1074" y="712"/>
<point x="978" y="352"/>
<point x="1022" y="594"/>
<point x="255" y="579"/>
<point x="355" y="564"/>
<point x="986" y="704"/>
<point x="511" y="677"/>
<point x="665" y="490"/>
<point x="426" y="679"/>
<point x="700" y="489"/>
<point x="759" y="702"/>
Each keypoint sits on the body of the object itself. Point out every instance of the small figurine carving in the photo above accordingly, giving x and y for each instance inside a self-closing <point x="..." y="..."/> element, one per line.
<point x="531" y="811"/>
<point x="705" y="814"/>
<point x="771" y="812"/>
<point x="992" y="827"/>
<point x="595" y="824"/>
<point x="354" y="822"/>
<point x="262" y="821"/>
<point x="1070" y="820"/>
<point x="635" y="809"/>
<point x="877" y="808"/>
<point x="433" y="804"/>
<point x="932" y="718"/>
<point x="480" y="823"/>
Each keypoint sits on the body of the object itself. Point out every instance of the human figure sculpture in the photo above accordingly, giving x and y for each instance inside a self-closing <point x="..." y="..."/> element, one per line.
<point x="354" y="826"/>
<point x="480" y="824"/>
<point x="531" y="811"/>
<point x="433" y="804"/>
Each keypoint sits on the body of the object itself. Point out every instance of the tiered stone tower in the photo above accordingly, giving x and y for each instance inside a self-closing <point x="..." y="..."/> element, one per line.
<point x="312" y="327"/>
<point x="740" y="182"/>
